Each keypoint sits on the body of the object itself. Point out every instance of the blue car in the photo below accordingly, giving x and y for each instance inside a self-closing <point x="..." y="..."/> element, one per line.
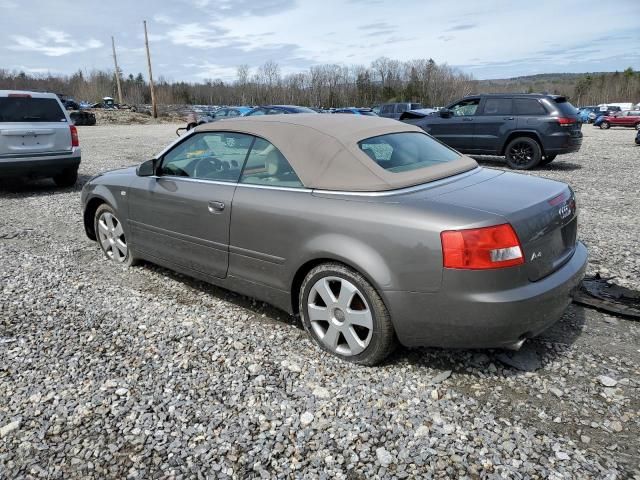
<point x="599" y="119"/>
<point x="356" y="111"/>
<point x="279" y="109"/>
<point x="583" y="113"/>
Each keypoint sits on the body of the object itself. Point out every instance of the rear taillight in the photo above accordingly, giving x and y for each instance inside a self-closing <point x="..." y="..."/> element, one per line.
<point x="565" y="122"/>
<point x="75" y="141"/>
<point x="481" y="248"/>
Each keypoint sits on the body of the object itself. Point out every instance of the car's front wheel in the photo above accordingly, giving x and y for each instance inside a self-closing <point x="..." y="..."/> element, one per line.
<point x="345" y="315"/>
<point x="110" y="236"/>
<point x="605" y="125"/>
<point x="638" y="126"/>
<point x="523" y="153"/>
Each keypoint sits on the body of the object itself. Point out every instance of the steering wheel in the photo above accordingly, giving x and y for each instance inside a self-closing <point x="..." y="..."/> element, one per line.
<point x="206" y="165"/>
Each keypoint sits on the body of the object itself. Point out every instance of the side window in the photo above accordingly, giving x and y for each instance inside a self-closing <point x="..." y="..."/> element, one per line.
<point x="344" y="111"/>
<point x="221" y="113"/>
<point x="528" y="106"/>
<point x="233" y="113"/>
<point x="387" y="109"/>
<point x="275" y="111"/>
<point x="208" y="156"/>
<point x="401" y="108"/>
<point x="497" y="106"/>
<point x="267" y="166"/>
<point x="465" y="108"/>
<point x="258" y="111"/>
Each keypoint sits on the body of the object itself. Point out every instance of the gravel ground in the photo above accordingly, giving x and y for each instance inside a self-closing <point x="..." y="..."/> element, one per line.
<point x="143" y="373"/>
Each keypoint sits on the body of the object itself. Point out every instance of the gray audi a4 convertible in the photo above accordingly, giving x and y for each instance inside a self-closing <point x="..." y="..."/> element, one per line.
<point x="369" y="228"/>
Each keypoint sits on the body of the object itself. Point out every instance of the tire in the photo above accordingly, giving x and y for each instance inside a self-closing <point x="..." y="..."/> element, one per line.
<point x="67" y="178"/>
<point x="637" y="127"/>
<point x="605" y="125"/>
<point x="548" y="159"/>
<point x="110" y="236"/>
<point x="372" y="339"/>
<point x="523" y="153"/>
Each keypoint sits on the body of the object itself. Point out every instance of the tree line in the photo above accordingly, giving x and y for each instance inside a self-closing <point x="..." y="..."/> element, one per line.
<point x="331" y="85"/>
<point x="326" y="86"/>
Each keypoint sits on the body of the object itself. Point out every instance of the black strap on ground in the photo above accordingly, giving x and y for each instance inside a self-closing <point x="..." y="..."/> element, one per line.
<point x="603" y="295"/>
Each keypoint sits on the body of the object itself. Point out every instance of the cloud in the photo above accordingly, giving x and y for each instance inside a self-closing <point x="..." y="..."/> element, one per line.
<point x="163" y="19"/>
<point x="446" y="38"/>
<point x="52" y="43"/>
<point x="377" y="26"/>
<point x="245" y="8"/>
<point x="196" y="35"/>
<point x="464" y="26"/>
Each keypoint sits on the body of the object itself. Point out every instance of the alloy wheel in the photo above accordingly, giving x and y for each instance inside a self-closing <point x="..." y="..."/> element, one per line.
<point x="521" y="153"/>
<point x="111" y="236"/>
<point x="340" y="316"/>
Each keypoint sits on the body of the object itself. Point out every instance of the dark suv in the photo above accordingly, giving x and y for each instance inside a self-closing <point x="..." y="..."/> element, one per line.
<point x="528" y="129"/>
<point x="394" y="110"/>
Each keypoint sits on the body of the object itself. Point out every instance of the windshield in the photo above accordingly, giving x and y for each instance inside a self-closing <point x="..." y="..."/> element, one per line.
<point x="27" y="109"/>
<point x="402" y="152"/>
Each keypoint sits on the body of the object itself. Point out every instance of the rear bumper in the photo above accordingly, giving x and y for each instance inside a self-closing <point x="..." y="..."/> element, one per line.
<point x="460" y="317"/>
<point x="560" y="143"/>
<point x="43" y="165"/>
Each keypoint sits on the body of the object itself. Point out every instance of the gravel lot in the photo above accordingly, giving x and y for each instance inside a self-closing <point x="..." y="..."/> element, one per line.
<point x="143" y="373"/>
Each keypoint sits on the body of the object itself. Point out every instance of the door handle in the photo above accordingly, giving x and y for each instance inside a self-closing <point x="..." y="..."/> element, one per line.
<point x="215" y="206"/>
<point x="507" y="118"/>
<point x="467" y="119"/>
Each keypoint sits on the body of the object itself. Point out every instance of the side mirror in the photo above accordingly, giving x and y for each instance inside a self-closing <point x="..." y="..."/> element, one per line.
<point x="146" y="169"/>
<point x="445" y="113"/>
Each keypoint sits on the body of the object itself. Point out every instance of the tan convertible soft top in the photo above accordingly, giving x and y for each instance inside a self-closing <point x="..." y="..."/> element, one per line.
<point x="323" y="149"/>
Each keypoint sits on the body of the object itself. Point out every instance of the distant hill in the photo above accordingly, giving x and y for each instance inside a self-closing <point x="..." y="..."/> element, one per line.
<point x="581" y="88"/>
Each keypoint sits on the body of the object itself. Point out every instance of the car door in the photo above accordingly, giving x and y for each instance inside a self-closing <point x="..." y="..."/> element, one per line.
<point x="493" y="124"/>
<point x="266" y="212"/>
<point x="457" y="130"/>
<point x="182" y="214"/>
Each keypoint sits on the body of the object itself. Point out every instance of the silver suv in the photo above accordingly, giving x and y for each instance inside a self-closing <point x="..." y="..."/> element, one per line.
<point x="37" y="138"/>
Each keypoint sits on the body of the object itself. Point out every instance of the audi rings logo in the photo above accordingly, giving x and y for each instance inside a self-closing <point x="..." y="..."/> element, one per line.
<point x="564" y="211"/>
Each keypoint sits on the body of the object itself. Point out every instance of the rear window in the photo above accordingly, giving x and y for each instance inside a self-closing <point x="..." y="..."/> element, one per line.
<point x="22" y="109"/>
<point x="564" y="106"/>
<point x="402" y="152"/>
<point x="498" y="106"/>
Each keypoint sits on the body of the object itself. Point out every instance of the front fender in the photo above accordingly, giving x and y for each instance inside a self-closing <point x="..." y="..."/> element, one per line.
<point x="95" y="195"/>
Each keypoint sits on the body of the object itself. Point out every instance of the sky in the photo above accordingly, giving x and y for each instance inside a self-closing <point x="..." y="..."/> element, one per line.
<point x="194" y="40"/>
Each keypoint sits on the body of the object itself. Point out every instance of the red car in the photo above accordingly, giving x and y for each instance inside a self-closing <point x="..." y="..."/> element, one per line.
<point x="628" y="118"/>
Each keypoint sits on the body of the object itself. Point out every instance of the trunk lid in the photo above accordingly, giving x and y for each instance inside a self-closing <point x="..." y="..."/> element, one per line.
<point x="31" y="126"/>
<point x="542" y="212"/>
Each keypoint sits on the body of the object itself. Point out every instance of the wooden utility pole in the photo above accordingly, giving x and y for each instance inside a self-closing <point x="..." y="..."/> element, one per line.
<point x="154" y="105"/>
<point x="115" y="61"/>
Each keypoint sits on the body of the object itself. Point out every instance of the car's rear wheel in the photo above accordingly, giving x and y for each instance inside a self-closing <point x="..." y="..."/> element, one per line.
<point x="638" y="126"/>
<point x="345" y="315"/>
<point x="547" y="159"/>
<point x="605" y="125"/>
<point x="110" y="236"/>
<point x="523" y="153"/>
<point x="66" y="178"/>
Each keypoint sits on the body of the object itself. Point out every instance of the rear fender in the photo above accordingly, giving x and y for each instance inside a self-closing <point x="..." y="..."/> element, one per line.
<point x="353" y="253"/>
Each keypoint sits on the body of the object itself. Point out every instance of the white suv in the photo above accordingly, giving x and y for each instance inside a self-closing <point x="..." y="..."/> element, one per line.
<point x="37" y="138"/>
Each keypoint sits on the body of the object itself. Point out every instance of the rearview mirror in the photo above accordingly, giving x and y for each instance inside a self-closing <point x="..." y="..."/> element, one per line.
<point x="445" y="113"/>
<point x="146" y="169"/>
